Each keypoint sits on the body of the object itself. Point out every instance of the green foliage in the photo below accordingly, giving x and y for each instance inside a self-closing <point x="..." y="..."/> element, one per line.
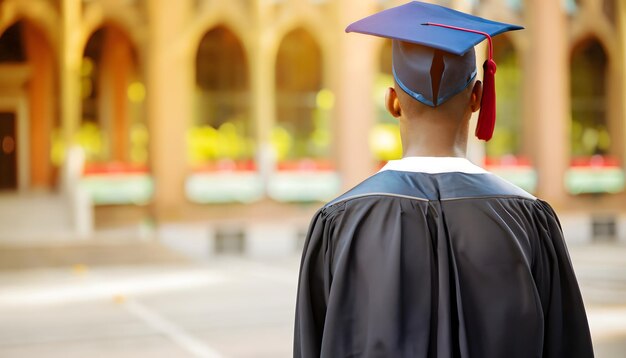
<point x="205" y="143"/>
<point x="93" y="142"/>
<point x="589" y="133"/>
<point x="507" y="134"/>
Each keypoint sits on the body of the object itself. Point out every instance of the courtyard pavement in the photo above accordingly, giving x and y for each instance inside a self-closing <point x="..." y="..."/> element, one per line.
<point x="85" y="305"/>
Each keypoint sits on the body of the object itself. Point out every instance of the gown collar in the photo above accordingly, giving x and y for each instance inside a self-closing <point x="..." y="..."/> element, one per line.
<point x="434" y="165"/>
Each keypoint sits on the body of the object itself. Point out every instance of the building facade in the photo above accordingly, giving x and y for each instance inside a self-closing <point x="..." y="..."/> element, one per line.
<point x="247" y="112"/>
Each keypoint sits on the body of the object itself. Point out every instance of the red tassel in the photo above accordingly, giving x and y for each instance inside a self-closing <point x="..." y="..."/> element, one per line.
<point x="487" y="116"/>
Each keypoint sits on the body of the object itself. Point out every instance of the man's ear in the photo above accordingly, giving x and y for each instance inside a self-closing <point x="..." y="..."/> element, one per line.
<point x="476" y="96"/>
<point x="393" y="103"/>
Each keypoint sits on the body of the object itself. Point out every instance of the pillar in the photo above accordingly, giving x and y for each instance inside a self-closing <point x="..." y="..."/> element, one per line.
<point x="69" y="71"/>
<point x="549" y="99"/>
<point x="261" y="64"/>
<point x="169" y="95"/>
<point x="117" y="65"/>
<point x="354" y="109"/>
<point x="40" y="106"/>
<point x="621" y="27"/>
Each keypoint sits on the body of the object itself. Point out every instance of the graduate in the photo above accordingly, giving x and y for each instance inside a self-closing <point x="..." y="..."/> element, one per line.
<point x="433" y="256"/>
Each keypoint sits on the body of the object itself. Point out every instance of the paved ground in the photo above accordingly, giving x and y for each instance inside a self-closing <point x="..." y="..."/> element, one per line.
<point x="110" y="252"/>
<point x="226" y="307"/>
<point x="601" y="271"/>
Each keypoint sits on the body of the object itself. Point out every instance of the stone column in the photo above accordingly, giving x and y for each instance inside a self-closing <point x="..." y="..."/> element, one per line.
<point x="70" y="55"/>
<point x="548" y="100"/>
<point x="354" y="110"/>
<point x="116" y="66"/>
<point x="621" y="27"/>
<point x="169" y="98"/>
<point x="41" y="105"/>
<point x="263" y="94"/>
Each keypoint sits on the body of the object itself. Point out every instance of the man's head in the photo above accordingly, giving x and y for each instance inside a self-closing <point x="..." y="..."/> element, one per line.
<point x="433" y="49"/>
<point x="433" y="97"/>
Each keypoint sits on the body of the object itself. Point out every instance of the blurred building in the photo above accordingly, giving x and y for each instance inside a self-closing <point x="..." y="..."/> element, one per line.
<point x="248" y="113"/>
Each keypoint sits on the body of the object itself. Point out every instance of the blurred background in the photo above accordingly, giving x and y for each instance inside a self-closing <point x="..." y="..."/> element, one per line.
<point x="160" y="160"/>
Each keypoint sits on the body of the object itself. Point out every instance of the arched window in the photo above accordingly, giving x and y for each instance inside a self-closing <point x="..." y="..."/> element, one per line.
<point x="384" y="138"/>
<point x="302" y="105"/>
<point x="11" y="51"/>
<point x="113" y="125"/>
<point x="595" y="166"/>
<point x="222" y="130"/>
<point x="506" y="139"/>
<point x="589" y="130"/>
<point x="24" y="48"/>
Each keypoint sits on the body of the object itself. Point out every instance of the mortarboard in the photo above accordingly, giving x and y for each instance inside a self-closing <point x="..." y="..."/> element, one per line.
<point x="433" y="53"/>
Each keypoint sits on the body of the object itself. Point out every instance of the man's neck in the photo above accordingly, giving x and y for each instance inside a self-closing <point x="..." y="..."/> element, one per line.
<point x="433" y="138"/>
<point x="427" y="152"/>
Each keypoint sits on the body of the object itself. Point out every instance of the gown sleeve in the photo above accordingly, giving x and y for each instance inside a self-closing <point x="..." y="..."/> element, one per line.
<point x="566" y="330"/>
<point x="313" y="288"/>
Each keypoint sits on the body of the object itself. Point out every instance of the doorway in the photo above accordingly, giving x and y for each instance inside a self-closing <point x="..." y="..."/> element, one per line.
<point x="8" y="152"/>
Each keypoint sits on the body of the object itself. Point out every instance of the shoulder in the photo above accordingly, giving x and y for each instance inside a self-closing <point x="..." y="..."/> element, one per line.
<point x="430" y="187"/>
<point x="483" y="185"/>
<point x="385" y="183"/>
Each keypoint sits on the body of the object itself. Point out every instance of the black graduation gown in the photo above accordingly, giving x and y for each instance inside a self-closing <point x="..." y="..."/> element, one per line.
<point x="410" y="264"/>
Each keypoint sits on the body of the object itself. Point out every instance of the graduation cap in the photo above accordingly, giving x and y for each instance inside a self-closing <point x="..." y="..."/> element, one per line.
<point x="433" y="53"/>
